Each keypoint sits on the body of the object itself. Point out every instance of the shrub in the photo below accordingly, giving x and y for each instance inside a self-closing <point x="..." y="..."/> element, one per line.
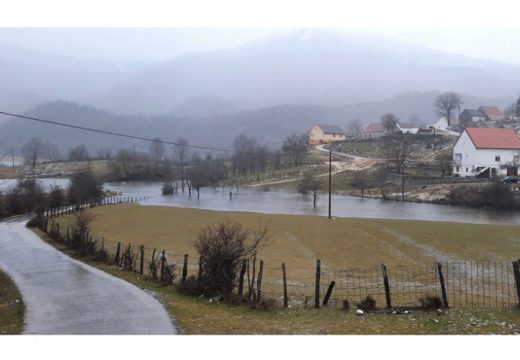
<point x="368" y="304"/>
<point x="190" y="286"/>
<point x="167" y="188"/>
<point x="84" y="187"/>
<point x="431" y="302"/>
<point x="222" y="248"/>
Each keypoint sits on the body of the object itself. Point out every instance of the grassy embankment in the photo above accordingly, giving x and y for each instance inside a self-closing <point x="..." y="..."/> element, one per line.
<point x="11" y="307"/>
<point x="55" y="169"/>
<point x="299" y="240"/>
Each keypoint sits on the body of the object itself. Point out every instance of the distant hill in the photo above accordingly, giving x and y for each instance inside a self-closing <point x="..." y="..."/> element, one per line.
<point x="269" y="125"/>
<point x="318" y="67"/>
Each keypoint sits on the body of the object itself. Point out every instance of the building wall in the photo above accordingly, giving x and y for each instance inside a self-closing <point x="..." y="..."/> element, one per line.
<point x="372" y="135"/>
<point x="317" y="136"/>
<point x="472" y="158"/>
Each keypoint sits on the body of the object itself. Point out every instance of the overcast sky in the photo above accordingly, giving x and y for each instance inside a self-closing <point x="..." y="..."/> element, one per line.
<point x="158" y="44"/>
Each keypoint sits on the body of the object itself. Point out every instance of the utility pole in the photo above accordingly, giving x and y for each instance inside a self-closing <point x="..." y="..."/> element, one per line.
<point x="402" y="179"/>
<point x="12" y="159"/>
<point x="330" y="182"/>
<point x="434" y="140"/>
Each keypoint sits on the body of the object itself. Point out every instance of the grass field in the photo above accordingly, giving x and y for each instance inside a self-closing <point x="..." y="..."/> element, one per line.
<point x="351" y="251"/>
<point x="199" y="316"/>
<point x="11" y="307"/>
<point x="300" y="240"/>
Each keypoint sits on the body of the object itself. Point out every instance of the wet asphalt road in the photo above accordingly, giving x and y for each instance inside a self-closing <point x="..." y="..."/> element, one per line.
<point x="65" y="296"/>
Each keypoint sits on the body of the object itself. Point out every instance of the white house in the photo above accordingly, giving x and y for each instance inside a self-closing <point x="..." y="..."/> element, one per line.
<point x="441" y="124"/>
<point x="407" y="128"/>
<point x="486" y="152"/>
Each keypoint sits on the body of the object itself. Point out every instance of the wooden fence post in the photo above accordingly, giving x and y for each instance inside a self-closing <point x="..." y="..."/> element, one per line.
<point x="516" y="273"/>
<point x="317" y="285"/>
<point x="141" y="263"/>
<point x="241" y="278"/>
<point x="387" y="287"/>
<point x="248" y="280"/>
<point x="118" y="251"/>
<point x="185" y="268"/>
<point x="285" y="298"/>
<point x="259" y="282"/>
<point x="163" y="261"/>
<point x="328" y="293"/>
<point x="252" y="286"/>
<point x="199" y="277"/>
<point x="443" y="286"/>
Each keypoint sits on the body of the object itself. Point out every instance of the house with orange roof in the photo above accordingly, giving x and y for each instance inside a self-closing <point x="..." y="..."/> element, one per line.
<point x="486" y="152"/>
<point x="492" y="113"/>
<point x="374" y="130"/>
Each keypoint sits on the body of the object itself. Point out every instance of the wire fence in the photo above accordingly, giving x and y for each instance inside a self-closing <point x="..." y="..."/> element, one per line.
<point x="468" y="284"/>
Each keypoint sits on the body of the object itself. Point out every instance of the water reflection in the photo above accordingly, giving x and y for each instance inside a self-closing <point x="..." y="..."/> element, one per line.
<point x="286" y="202"/>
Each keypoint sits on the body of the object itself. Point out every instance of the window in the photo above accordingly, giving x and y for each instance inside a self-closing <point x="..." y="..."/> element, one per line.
<point x="497" y="158"/>
<point x="458" y="169"/>
<point x="466" y="169"/>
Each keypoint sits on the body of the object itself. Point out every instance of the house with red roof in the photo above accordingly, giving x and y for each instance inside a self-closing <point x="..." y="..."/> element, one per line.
<point x="374" y="130"/>
<point x="486" y="152"/>
<point x="492" y="113"/>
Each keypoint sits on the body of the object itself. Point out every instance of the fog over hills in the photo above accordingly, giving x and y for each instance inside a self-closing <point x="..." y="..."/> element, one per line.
<point x="267" y="88"/>
<point x="308" y="68"/>
<point x="30" y="77"/>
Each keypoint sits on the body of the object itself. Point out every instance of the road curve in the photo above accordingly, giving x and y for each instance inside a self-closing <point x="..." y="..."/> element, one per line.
<point x="66" y="296"/>
<point x="354" y="157"/>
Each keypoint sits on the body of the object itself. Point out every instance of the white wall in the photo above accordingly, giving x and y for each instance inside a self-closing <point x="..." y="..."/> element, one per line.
<point x="471" y="158"/>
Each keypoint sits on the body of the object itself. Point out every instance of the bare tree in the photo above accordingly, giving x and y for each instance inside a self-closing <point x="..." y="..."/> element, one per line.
<point x="295" y="148"/>
<point x="104" y="153"/>
<point x="389" y="122"/>
<point x="181" y="151"/>
<point x="79" y="153"/>
<point x="360" y="181"/>
<point x="52" y="151"/>
<point x="32" y="151"/>
<point x="244" y="159"/>
<point x="446" y="103"/>
<point x="310" y="184"/>
<point x="157" y="150"/>
<point x="355" y="128"/>
<point x="397" y="149"/>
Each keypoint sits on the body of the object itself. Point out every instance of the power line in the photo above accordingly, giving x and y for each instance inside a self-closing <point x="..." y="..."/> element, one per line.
<point x="113" y="133"/>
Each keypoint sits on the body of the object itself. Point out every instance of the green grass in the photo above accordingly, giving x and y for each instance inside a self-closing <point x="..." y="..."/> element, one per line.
<point x="12" y="307"/>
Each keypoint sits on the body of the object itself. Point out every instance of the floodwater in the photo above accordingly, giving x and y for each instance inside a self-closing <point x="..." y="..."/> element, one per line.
<point x="286" y="202"/>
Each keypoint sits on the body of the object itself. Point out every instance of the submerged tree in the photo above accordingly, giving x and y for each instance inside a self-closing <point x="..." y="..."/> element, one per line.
<point x="310" y="184"/>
